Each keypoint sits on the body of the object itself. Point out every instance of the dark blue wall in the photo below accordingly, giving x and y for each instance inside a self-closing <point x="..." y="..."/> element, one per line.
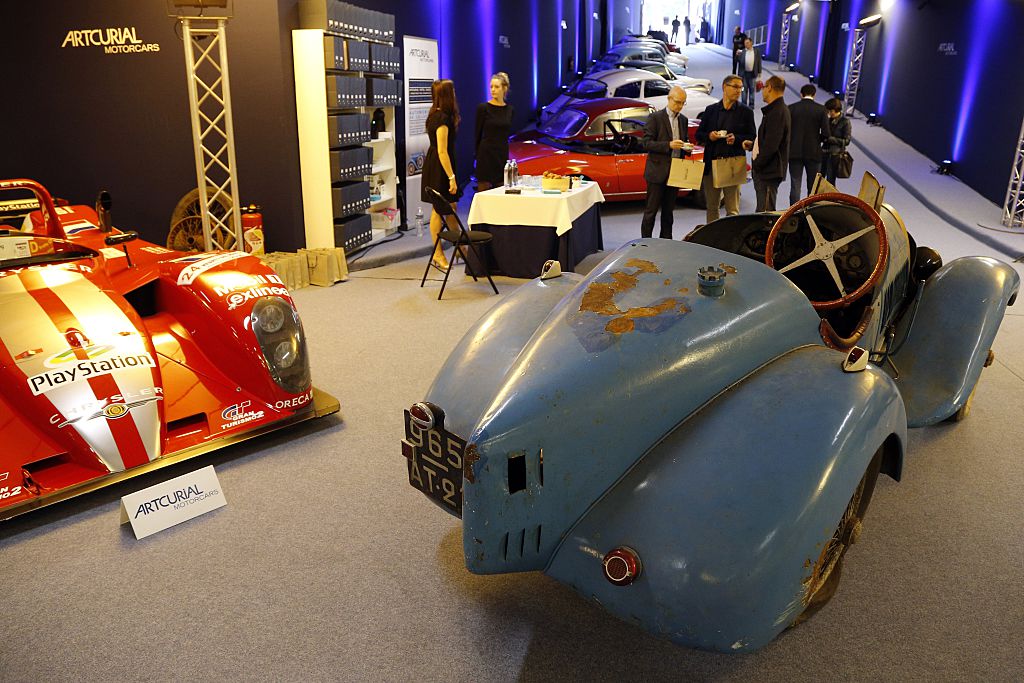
<point x="941" y="74"/>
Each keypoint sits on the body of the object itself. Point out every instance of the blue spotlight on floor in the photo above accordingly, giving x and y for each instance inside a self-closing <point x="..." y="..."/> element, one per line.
<point x="810" y="79"/>
<point x="873" y="119"/>
<point x="946" y="167"/>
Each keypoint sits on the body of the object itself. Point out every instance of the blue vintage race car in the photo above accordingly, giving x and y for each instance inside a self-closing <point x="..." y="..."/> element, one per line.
<point x="691" y="434"/>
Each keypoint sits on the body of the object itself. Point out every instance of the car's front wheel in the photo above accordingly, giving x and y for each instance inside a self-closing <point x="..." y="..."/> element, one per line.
<point x="825" y="574"/>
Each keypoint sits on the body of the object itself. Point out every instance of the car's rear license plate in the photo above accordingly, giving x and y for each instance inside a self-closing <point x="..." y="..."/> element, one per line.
<point x="435" y="463"/>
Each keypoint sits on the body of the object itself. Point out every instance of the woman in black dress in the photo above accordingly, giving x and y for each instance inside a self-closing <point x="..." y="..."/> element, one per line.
<point x="439" y="164"/>
<point x="493" y="126"/>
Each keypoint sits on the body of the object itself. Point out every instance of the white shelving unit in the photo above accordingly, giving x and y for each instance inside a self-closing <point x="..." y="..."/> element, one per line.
<point x="312" y="111"/>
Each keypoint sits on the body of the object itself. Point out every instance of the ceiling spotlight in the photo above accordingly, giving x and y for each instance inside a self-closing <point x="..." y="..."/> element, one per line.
<point x="946" y="167"/>
<point x="794" y="7"/>
<point x="867" y="22"/>
<point x="873" y="119"/>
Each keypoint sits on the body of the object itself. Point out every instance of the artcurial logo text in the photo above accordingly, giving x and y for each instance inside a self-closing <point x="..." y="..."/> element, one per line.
<point x="175" y="499"/>
<point x="112" y="40"/>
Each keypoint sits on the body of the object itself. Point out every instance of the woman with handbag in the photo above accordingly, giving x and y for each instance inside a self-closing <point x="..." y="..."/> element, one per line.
<point x="836" y="161"/>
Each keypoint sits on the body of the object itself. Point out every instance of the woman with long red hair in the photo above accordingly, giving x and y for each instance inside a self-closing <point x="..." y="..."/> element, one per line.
<point x="439" y="164"/>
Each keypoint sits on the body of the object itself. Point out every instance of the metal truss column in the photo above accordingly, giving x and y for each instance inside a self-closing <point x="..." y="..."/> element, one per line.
<point x="784" y="43"/>
<point x="853" y="75"/>
<point x="213" y="135"/>
<point x="1013" y="207"/>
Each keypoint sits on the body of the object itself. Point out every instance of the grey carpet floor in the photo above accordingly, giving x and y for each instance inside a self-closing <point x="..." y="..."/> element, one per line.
<point x="327" y="565"/>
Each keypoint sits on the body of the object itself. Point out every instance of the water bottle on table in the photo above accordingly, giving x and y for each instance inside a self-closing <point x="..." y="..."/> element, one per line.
<point x="419" y="221"/>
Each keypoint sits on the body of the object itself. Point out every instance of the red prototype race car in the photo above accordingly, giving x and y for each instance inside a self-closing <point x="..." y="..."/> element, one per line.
<point x="118" y="356"/>
<point x="599" y="139"/>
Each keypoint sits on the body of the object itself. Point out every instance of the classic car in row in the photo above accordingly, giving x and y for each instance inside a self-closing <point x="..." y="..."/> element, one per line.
<point x="118" y="356"/>
<point x="598" y="139"/>
<point x="690" y="435"/>
<point x="638" y="84"/>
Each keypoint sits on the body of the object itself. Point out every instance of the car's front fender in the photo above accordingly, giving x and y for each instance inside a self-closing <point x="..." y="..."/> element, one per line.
<point x="730" y="512"/>
<point x="947" y="338"/>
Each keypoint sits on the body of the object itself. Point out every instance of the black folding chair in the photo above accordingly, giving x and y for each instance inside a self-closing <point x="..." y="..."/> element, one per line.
<point x="474" y="239"/>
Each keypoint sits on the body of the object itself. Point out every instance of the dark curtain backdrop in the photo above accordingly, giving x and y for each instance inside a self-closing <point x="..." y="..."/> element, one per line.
<point x="79" y="120"/>
<point x="941" y="74"/>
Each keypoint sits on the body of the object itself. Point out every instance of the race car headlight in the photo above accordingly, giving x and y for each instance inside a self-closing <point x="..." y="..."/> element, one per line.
<point x="279" y="332"/>
<point x="272" y="318"/>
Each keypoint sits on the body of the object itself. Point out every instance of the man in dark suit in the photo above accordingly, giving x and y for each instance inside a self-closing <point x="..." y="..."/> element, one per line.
<point x="664" y="137"/>
<point x="809" y="129"/>
<point x="771" y="148"/>
<point x="738" y="39"/>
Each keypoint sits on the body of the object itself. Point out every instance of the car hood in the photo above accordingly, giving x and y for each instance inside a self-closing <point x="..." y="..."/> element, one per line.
<point x="77" y="362"/>
<point x="624" y="357"/>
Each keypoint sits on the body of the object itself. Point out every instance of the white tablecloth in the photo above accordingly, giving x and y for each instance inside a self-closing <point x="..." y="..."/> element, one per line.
<point x="533" y="207"/>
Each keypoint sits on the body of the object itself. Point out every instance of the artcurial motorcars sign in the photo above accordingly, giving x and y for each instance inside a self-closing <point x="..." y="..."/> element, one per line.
<point x="122" y="40"/>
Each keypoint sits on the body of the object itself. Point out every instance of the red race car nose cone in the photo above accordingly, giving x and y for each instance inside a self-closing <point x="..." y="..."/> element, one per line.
<point x="422" y="415"/>
<point x="622" y="566"/>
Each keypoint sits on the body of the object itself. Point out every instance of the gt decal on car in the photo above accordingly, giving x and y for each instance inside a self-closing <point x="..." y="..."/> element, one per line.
<point x="238" y="415"/>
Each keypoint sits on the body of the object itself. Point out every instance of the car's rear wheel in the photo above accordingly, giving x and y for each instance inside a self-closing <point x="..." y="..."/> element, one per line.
<point x="825" y="574"/>
<point x="186" y="233"/>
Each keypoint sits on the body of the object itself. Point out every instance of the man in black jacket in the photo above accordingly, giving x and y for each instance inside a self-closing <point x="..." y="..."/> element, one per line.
<point x="737" y="121"/>
<point x="738" y="39"/>
<point x="664" y="138"/>
<point x="771" y="149"/>
<point x="810" y="129"/>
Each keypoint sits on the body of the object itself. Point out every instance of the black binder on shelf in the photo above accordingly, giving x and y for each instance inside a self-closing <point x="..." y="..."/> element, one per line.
<point x="353" y="232"/>
<point x="348" y="129"/>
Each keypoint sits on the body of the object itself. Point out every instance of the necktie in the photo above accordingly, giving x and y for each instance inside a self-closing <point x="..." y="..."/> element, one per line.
<point x="674" y="122"/>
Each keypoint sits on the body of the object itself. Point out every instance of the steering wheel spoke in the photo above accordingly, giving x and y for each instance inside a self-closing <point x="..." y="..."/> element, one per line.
<point x="830" y="263"/>
<point x="842" y="242"/>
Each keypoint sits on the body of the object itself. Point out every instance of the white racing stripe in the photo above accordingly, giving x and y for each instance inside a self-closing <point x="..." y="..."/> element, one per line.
<point x="26" y="326"/>
<point x="105" y="324"/>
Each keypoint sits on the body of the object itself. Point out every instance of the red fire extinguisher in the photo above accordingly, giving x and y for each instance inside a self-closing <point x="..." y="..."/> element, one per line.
<point x="252" y="228"/>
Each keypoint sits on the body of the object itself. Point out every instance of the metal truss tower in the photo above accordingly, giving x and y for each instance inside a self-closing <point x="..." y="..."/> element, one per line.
<point x="213" y="135"/>
<point x="853" y="76"/>
<point x="1013" y="207"/>
<point x="784" y="43"/>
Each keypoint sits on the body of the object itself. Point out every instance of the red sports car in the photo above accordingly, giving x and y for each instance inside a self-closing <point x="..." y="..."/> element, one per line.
<point x="118" y="356"/>
<point x="599" y="139"/>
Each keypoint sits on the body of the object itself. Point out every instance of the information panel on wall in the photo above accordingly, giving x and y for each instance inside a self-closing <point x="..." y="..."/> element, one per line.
<point x="421" y="70"/>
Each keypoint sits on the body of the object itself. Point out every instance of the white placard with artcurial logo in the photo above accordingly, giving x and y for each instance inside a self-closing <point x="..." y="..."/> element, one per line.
<point x="172" y="502"/>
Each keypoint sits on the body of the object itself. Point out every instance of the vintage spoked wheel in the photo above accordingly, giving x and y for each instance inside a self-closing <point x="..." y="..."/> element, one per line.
<point x="186" y="233"/>
<point x="825" y="574"/>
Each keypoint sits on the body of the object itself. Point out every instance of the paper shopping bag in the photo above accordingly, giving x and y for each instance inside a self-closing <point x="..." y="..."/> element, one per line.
<point x="729" y="171"/>
<point x="686" y="173"/>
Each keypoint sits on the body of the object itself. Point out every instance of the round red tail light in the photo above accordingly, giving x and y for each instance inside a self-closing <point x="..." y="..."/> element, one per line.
<point x="422" y="415"/>
<point x="622" y="566"/>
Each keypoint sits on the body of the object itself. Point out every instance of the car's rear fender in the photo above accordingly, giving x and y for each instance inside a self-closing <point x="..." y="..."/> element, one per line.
<point x="730" y="512"/>
<point x="476" y="368"/>
<point x="946" y="340"/>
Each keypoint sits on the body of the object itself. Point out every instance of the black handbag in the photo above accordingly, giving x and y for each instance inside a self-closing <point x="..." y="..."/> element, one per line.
<point x="844" y="165"/>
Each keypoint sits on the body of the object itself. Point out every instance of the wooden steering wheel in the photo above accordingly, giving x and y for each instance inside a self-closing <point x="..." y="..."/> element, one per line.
<point x="824" y="250"/>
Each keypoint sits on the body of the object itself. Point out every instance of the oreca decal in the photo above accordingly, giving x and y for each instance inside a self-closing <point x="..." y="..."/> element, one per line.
<point x="296" y="402"/>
